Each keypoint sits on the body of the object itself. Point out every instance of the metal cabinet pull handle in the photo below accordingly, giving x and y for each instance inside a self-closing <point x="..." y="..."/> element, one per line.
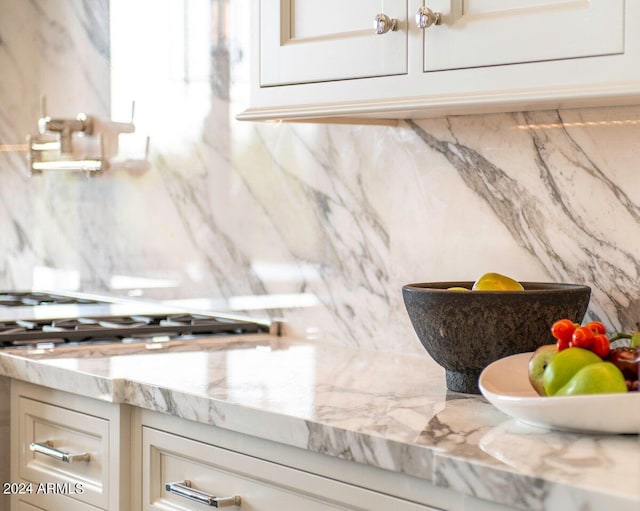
<point x="425" y="17"/>
<point x="47" y="449"/>
<point x="383" y="23"/>
<point x="183" y="489"/>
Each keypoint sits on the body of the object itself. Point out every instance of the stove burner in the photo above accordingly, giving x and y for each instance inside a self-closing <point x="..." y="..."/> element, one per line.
<point x="29" y="333"/>
<point x="32" y="298"/>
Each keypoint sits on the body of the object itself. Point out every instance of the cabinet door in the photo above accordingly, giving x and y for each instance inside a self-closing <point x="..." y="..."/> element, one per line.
<point x="476" y="33"/>
<point x="310" y="41"/>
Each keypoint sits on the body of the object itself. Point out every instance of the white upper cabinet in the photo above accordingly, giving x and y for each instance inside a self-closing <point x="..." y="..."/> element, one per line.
<point x="310" y="41"/>
<point x="322" y="60"/>
<point x="478" y="33"/>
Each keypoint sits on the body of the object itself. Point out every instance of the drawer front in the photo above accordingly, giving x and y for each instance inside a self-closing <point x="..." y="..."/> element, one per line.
<point x="24" y="506"/>
<point x="261" y="485"/>
<point x="65" y="449"/>
<point x="49" y="502"/>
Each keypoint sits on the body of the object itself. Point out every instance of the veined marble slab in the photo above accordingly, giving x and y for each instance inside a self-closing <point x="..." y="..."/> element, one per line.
<point x="381" y="409"/>
<point x="321" y="224"/>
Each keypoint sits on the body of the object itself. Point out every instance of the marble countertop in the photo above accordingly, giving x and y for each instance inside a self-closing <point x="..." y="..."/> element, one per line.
<point x="385" y="410"/>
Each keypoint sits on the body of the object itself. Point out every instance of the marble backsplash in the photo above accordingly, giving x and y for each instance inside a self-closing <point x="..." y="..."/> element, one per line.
<point x="319" y="224"/>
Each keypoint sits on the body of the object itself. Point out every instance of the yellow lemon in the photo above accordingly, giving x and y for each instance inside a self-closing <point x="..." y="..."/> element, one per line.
<point x="496" y="282"/>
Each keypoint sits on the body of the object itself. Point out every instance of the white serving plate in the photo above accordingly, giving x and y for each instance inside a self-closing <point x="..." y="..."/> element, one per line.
<point x="505" y="384"/>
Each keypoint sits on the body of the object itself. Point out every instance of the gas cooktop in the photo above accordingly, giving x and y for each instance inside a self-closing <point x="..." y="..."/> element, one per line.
<point x="55" y="319"/>
<point x="33" y="298"/>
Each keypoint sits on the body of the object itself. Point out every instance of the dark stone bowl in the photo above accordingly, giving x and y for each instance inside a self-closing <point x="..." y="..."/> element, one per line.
<point x="466" y="331"/>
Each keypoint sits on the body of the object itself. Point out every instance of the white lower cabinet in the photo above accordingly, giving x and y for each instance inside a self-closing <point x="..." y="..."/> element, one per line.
<point x="183" y="474"/>
<point x="67" y="451"/>
<point x="180" y="456"/>
<point x="73" y="453"/>
<point x="24" y="506"/>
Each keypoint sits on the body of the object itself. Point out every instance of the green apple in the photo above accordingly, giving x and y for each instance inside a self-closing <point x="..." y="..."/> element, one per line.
<point x="564" y="365"/>
<point x="598" y="378"/>
<point x="538" y="362"/>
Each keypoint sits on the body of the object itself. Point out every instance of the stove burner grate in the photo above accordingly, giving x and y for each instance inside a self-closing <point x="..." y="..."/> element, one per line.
<point x="119" y="328"/>
<point x="33" y="298"/>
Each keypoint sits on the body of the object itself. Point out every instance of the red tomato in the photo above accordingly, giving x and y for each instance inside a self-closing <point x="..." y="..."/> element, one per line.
<point x="601" y="345"/>
<point x="582" y="337"/>
<point x="596" y="327"/>
<point x="562" y="330"/>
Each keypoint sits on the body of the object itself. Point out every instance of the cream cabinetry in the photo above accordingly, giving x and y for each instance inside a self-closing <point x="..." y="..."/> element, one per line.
<point x="301" y="41"/>
<point x="479" y="33"/>
<point x="179" y="473"/>
<point x="316" y="60"/>
<point x="183" y="471"/>
<point x="252" y="474"/>
<point x="67" y="451"/>
<point x="80" y="454"/>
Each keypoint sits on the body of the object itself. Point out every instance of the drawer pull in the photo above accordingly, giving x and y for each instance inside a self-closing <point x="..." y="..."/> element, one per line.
<point x="183" y="489"/>
<point x="47" y="449"/>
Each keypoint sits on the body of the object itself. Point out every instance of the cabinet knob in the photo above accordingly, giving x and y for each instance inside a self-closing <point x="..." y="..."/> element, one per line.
<point x="383" y="23"/>
<point x="425" y="17"/>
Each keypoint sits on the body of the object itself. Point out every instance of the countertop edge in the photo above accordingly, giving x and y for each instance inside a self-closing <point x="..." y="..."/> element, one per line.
<point x="443" y="468"/>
